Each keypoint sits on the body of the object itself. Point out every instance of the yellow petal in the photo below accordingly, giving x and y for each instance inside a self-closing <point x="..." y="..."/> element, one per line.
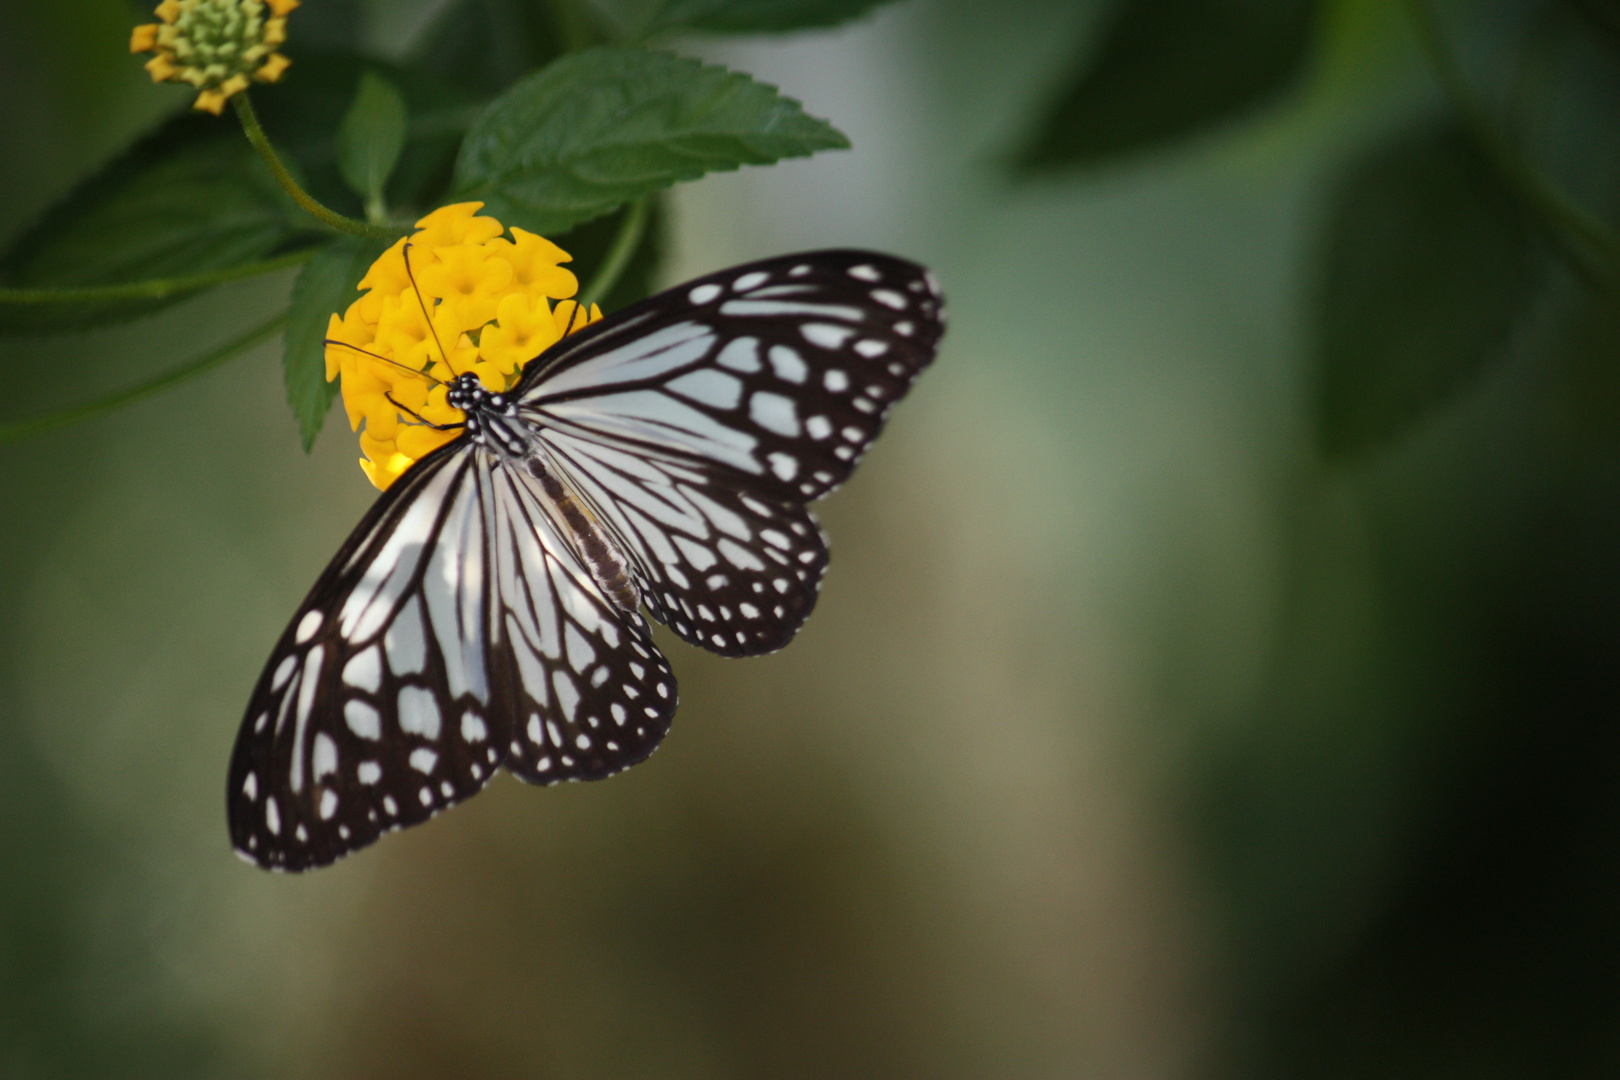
<point x="168" y="11"/>
<point x="143" y="38"/>
<point x="211" y="101"/>
<point x="457" y="224"/>
<point x="273" y="66"/>
<point x="279" y="8"/>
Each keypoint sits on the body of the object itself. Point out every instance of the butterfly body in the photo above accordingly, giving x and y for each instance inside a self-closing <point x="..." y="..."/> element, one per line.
<point x="486" y="613"/>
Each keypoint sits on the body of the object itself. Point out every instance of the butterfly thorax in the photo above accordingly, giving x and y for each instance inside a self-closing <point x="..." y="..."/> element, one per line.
<point x="494" y="422"/>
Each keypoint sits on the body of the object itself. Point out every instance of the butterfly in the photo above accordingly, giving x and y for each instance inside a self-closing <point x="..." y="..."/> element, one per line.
<point x="487" y="612"/>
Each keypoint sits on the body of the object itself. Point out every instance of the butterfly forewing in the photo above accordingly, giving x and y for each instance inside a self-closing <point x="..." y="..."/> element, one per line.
<point x="699" y="422"/>
<point x="375" y="710"/>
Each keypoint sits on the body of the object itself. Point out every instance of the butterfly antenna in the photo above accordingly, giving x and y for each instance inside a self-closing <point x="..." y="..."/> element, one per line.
<point x="403" y="367"/>
<point x="434" y="330"/>
<point x="420" y="417"/>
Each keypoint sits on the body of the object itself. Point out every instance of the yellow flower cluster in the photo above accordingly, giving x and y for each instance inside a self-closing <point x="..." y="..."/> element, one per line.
<point x="489" y="301"/>
<point x="215" y="45"/>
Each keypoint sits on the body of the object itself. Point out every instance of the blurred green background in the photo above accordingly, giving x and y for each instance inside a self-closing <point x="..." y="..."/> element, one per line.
<point x="1163" y="715"/>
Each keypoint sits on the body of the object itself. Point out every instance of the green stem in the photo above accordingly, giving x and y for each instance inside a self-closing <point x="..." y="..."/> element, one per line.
<point x="261" y="143"/>
<point x="155" y="288"/>
<point x="21" y="428"/>
<point x="631" y="230"/>
<point x="1592" y="247"/>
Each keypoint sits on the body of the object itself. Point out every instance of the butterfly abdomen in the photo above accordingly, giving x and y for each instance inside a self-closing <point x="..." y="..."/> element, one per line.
<point x="596" y="551"/>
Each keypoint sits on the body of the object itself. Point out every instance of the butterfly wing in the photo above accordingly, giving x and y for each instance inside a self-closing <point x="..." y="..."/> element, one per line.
<point x="589" y="693"/>
<point x="698" y="423"/>
<point x="376" y="710"/>
<point x="453" y="633"/>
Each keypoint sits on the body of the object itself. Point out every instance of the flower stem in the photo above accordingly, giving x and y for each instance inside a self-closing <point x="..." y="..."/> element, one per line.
<point x="1592" y="247"/>
<point x="625" y="243"/>
<point x="261" y="143"/>
<point x="22" y="428"/>
<point x="154" y="288"/>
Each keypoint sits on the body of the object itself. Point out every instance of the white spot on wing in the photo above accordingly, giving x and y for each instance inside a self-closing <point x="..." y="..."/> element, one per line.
<point x="818" y="427"/>
<point x="407" y="649"/>
<point x="707" y="386"/>
<point x="418" y="712"/>
<point x="325" y="759"/>
<point x="826" y="335"/>
<point x="422" y="759"/>
<point x="364" y="670"/>
<point x="369" y="772"/>
<point x="788" y="365"/>
<point x="773" y="412"/>
<point x="865" y="273"/>
<point x="704" y="293"/>
<point x="362" y="719"/>
<point x="307" y="626"/>
<point x="785" y="466"/>
<point x="472" y="727"/>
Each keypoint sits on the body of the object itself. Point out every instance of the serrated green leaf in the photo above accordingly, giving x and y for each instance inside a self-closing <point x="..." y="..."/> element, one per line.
<point x="1164" y="69"/>
<point x="599" y="128"/>
<point x="755" y="16"/>
<point x="1430" y="260"/>
<point x="370" y="138"/>
<point x="325" y="287"/>
<point x="179" y="204"/>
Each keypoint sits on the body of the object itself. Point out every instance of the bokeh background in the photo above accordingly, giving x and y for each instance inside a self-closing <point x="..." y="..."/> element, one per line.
<point x="1136" y="734"/>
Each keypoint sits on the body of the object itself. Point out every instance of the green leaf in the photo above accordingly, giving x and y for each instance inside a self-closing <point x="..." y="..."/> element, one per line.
<point x="1165" y="69"/>
<point x="370" y="138"/>
<point x="178" y="204"/>
<point x="755" y="16"/>
<point x="302" y="116"/>
<point x="325" y="287"/>
<point x="1430" y="261"/>
<point x="598" y="128"/>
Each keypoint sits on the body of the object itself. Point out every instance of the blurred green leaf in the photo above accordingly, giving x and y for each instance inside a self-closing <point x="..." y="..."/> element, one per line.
<point x="325" y="287"/>
<point x="755" y="16"/>
<point x="302" y="116"/>
<point x="486" y="45"/>
<point x="370" y="138"/>
<point x="179" y="203"/>
<point x="1430" y="260"/>
<point x="601" y="127"/>
<point x="1165" y="69"/>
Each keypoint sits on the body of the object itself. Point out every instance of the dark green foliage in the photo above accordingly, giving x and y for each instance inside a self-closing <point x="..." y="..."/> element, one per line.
<point x="755" y="16"/>
<point x="1429" y="262"/>
<point x="326" y="286"/>
<point x="1165" y="69"/>
<point x="599" y="128"/>
<point x="486" y="45"/>
<point x="178" y="203"/>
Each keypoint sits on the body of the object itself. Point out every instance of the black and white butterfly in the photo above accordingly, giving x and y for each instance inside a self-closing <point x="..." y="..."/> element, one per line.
<point x="486" y="614"/>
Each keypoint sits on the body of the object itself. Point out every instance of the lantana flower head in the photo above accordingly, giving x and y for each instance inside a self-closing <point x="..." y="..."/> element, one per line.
<point x="215" y="45"/>
<point x="479" y="302"/>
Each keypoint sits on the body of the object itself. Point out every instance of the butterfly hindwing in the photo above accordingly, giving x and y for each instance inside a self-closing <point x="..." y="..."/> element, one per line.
<point x="590" y="693"/>
<point x="732" y="572"/>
